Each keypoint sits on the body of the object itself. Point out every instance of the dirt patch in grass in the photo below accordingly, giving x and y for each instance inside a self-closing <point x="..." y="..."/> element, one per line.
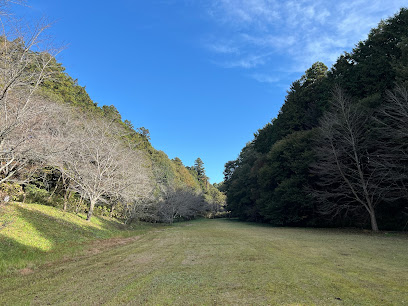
<point x="191" y="260"/>
<point x="98" y="246"/>
<point x="26" y="271"/>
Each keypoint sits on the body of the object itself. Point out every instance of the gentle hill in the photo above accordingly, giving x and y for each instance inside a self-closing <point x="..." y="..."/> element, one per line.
<point x="31" y="234"/>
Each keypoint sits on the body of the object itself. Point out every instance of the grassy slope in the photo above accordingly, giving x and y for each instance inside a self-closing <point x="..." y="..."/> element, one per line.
<point x="224" y="262"/>
<point x="32" y="234"/>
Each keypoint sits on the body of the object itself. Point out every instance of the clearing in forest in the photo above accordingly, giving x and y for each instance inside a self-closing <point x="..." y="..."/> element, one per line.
<point x="209" y="262"/>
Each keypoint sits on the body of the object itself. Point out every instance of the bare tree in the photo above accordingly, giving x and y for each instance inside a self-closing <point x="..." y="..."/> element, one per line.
<point x="5" y="6"/>
<point x="22" y="146"/>
<point x="100" y="164"/>
<point x="348" y="176"/>
<point x="392" y="144"/>
<point x="25" y="62"/>
<point x="392" y="122"/>
<point x="134" y="183"/>
<point x="181" y="203"/>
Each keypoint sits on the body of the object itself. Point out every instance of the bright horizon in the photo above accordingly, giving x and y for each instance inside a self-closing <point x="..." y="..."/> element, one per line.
<point x="202" y="76"/>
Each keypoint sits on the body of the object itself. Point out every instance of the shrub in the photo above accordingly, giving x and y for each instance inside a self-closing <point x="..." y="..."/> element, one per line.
<point x="14" y="191"/>
<point x="36" y="195"/>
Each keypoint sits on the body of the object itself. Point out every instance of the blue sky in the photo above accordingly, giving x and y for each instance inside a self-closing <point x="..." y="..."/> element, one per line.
<point x="203" y="76"/>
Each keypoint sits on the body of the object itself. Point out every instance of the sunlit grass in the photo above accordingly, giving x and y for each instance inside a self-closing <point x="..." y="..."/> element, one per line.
<point x="31" y="234"/>
<point x="24" y="233"/>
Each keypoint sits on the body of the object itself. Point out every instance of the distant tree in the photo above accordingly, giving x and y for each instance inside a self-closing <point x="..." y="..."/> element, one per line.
<point x="111" y="113"/>
<point x="216" y="200"/>
<point x="199" y="167"/>
<point x="219" y="185"/>
<point x="181" y="203"/>
<point x="178" y="161"/>
<point x="133" y="183"/>
<point x="129" y="124"/>
<point x="242" y="186"/>
<point x="229" y="169"/>
<point x="304" y="104"/>
<point x="317" y="72"/>
<point x="376" y="63"/>
<point x="144" y="132"/>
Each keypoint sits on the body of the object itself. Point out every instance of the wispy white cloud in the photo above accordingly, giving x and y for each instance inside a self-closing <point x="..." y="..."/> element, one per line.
<point x="265" y="78"/>
<point x="253" y="32"/>
<point x="248" y="61"/>
<point x="222" y="48"/>
<point x="243" y="13"/>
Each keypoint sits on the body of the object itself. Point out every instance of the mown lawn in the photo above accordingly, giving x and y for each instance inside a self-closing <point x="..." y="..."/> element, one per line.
<point x="33" y="234"/>
<point x="220" y="262"/>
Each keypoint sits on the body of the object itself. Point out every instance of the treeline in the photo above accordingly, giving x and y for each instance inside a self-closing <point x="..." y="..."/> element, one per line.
<point x="337" y="153"/>
<point x="57" y="147"/>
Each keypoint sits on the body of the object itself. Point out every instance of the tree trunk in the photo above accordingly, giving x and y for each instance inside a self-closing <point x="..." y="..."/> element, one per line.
<point x="66" y="196"/>
<point x="78" y="205"/>
<point x="55" y="189"/>
<point x="90" y="211"/>
<point x="112" y="209"/>
<point x="373" y="219"/>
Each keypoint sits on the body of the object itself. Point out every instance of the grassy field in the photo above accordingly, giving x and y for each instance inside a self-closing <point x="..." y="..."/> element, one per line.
<point x="32" y="234"/>
<point x="219" y="262"/>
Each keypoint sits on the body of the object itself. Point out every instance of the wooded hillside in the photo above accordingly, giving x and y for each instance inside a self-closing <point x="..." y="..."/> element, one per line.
<point x="337" y="153"/>
<point x="58" y="147"/>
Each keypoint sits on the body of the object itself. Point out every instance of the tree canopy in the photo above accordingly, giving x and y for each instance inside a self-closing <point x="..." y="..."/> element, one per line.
<point x="286" y="174"/>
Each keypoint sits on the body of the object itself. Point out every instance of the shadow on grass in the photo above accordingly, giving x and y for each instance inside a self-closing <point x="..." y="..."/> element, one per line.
<point x="14" y="254"/>
<point x="33" y="235"/>
<point x="320" y="230"/>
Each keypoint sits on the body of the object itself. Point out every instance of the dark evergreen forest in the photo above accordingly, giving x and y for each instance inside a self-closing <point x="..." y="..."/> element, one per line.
<point x="337" y="153"/>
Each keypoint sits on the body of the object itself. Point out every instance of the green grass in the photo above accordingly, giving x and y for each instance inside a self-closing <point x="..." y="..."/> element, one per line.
<point x="222" y="262"/>
<point x="32" y="234"/>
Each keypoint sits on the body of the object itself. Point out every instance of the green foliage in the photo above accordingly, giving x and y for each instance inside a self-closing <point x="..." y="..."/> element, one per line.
<point x="376" y="63"/>
<point x="242" y="183"/>
<point x="13" y="190"/>
<point x="270" y="180"/>
<point x="199" y="169"/>
<point x="65" y="89"/>
<point x="249" y="180"/>
<point x="111" y="113"/>
<point x="35" y="194"/>
<point x="282" y="178"/>
<point x="304" y="105"/>
<point x="317" y="72"/>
